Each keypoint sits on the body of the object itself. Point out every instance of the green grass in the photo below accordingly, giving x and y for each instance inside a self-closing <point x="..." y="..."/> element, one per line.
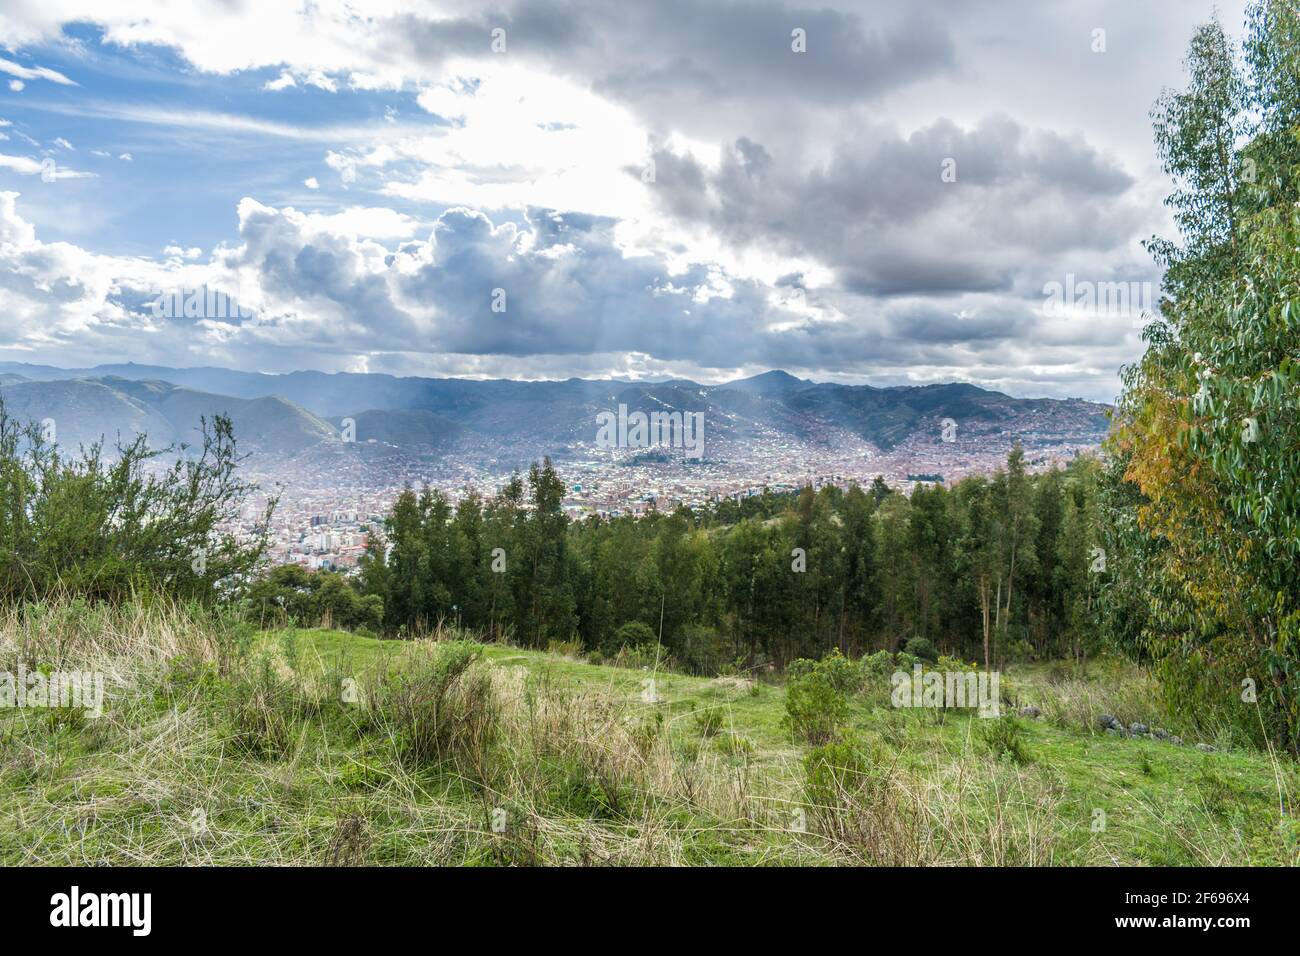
<point x="598" y="764"/>
<point x="1158" y="807"/>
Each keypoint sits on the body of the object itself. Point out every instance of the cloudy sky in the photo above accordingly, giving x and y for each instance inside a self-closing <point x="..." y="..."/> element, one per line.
<point x="855" y="192"/>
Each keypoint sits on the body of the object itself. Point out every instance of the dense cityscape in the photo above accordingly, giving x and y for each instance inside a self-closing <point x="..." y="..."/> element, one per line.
<point x="332" y="498"/>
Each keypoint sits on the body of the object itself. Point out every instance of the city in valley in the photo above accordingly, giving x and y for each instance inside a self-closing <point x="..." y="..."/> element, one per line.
<point x="329" y="502"/>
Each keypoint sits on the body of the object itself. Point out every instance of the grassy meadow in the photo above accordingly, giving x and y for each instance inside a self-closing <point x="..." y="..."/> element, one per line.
<point x="220" y="744"/>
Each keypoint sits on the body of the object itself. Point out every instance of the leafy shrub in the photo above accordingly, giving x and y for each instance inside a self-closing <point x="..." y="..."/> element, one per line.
<point x="109" y="526"/>
<point x="264" y="709"/>
<point x="1019" y="650"/>
<point x="734" y="745"/>
<point x="708" y="721"/>
<point x="290" y="593"/>
<point x="921" y="648"/>
<point x="851" y="798"/>
<point x="875" y="671"/>
<point x="879" y="664"/>
<point x="1005" y="737"/>
<point x="831" y="771"/>
<point x="642" y="655"/>
<point x="631" y="634"/>
<point x="816" y="697"/>
<point x="835" y="668"/>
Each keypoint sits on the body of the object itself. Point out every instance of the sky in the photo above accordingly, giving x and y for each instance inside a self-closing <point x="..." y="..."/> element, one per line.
<point x="878" y="193"/>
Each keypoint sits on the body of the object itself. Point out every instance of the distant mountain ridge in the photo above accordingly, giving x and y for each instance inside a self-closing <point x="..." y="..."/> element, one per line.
<point x="289" y="413"/>
<point x="113" y="408"/>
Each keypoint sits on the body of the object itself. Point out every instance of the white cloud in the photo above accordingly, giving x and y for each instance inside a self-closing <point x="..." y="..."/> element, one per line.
<point x="283" y="82"/>
<point x="32" y="73"/>
<point x="287" y="79"/>
<point x="362" y="286"/>
<point x="318" y="79"/>
<point x="357" y="221"/>
<point x="20" y="164"/>
<point x="311" y="182"/>
<point x="519" y="138"/>
<point x="46" y="168"/>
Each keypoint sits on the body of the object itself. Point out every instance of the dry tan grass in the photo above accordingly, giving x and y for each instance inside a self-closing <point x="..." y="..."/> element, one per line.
<point x="71" y="634"/>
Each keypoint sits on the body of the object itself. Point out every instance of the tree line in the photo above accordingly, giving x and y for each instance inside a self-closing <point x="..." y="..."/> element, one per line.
<point x="993" y="568"/>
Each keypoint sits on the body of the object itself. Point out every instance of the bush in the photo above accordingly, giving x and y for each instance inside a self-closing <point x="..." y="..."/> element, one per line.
<point x="708" y="721"/>
<point x="290" y="593"/>
<point x="642" y="656"/>
<point x="1005" y="737"/>
<point x="734" y="745"/>
<point x="264" y="709"/>
<point x="879" y="664"/>
<point x="816" y="697"/>
<point x="849" y="787"/>
<point x="945" y="663"/>
<point x="110" y="526"/>
<point x="922" y="649"/>
<point x="835" y="668"/>
<point x="833" y="771"/>
<point x="631" y="634"/>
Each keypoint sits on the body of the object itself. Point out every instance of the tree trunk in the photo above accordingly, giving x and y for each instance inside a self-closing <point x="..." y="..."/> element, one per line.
<point x="984" y="613"/>
<point x="1011" y="577"/>
<point x="997" y="605"/>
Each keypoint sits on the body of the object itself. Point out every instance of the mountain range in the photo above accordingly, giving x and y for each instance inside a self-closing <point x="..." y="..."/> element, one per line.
<point x="288" y="414"/>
